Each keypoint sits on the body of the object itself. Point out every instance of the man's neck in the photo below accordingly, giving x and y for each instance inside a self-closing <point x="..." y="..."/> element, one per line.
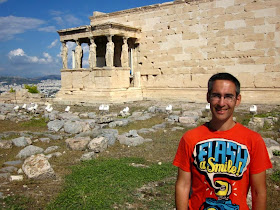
<point x="221" y="126"/>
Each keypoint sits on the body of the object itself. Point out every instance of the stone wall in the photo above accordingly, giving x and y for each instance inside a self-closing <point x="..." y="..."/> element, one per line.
<point x="23" y="97"/>
<point x="184" y="42"/>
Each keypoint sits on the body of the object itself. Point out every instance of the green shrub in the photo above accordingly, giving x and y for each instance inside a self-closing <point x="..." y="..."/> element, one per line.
<point x="31" y="89"/>
<point x="12" y="90"/>
<point x="276" y="153"/>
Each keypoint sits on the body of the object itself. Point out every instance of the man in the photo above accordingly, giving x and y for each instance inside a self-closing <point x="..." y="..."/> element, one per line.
<point x="221" y="159"/>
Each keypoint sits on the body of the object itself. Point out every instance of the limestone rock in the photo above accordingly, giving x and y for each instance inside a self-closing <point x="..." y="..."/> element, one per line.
<point x="28" y="151"/>
<point x="271" y="145"/>
<point x="8" y="169"/>
<point x="38" y="167"/>
<point x="51" y="149"/>
<point x="110" y="135"/>
<point x="98" y="144"/>
<point x="131" y="138"/>
<point x="55" y="125"/>
<point x="5" y="144"/>
<point x="21" y="141"/>
<point x="73" y="127"/>
<point x="88" y="156"/>
<point x="256" y="122"/>
<point x="77" y="143"/>
<point x="15" y="178"/>
<point x="55" y="154"/>
<point x="174" y="118"/>
<point x="189" y="120"/>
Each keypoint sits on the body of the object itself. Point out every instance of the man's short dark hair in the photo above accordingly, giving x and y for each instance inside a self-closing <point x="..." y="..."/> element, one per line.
<point x="223" y="76"/>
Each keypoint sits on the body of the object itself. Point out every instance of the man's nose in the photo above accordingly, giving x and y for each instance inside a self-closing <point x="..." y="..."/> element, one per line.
<point x="221" y="101"/>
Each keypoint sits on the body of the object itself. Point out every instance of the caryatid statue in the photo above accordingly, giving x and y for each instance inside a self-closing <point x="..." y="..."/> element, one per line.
<point x="78" y="54"/>
<point x="92" y="53"/>
<point x="124" y="57"/>
<point x="64" y="54"/>
<point x="110" y="52"/>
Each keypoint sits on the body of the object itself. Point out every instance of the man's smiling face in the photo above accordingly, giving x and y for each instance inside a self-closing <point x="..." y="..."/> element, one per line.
<point x="223" y="100"/>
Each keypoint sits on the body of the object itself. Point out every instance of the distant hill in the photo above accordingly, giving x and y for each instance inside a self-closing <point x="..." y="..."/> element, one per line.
<point x="22" y="80"/>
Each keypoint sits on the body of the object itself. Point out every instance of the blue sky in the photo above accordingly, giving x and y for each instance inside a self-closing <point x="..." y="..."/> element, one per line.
<point x="29" y="42"/>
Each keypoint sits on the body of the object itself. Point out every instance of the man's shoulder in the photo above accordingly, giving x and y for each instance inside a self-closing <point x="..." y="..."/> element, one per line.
<point x="196" y="131"/>
<point x="244" y="129"/>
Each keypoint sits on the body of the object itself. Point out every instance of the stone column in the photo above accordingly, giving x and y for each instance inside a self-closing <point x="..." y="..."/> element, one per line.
<point x="109" y="52"/>
<point x="78" y="54"/>
<point x="124" y="57"/>
<point x="64" y="55"/>
<point x="92" y="53"/>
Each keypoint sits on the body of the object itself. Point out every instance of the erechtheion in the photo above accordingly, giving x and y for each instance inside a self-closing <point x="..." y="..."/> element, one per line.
<point x="169" y="51"/>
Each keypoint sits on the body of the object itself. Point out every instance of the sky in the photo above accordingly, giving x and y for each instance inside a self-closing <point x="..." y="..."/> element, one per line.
<point x="29" y="42"/>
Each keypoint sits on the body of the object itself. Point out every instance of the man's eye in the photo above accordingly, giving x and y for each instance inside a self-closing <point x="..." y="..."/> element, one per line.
<point x="216" y="96"/>
<point x="229" y="96"/>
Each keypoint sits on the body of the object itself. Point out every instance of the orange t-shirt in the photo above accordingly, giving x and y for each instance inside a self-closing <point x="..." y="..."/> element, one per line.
<point x="220" y="163"/>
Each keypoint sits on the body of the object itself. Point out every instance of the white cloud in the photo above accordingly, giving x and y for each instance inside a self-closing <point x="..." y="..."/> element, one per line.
<point x="65" y="20"/>
<point x="71" y="46"/>
<point x="18" y="56"/>
<point x="53" y="44"/>
<point x="17" y="52"/>
<point x="2" y="1"/>
<point x="11" y="25"/>
<point x="48" y="29"/>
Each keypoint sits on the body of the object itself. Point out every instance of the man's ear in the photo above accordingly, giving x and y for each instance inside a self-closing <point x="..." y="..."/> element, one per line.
<point x="208" y="97"/>
<point x="238" y="100"/>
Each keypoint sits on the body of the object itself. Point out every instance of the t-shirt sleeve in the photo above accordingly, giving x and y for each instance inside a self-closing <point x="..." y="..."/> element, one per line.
<point x="259" y="159"/>
<point x="183" y="156"/>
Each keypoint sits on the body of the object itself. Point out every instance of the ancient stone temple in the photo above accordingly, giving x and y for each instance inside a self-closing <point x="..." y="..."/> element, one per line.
<point x="169" y="51"/>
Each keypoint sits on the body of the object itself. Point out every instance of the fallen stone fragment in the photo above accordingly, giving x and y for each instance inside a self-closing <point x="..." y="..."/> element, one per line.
<point x="88" y="156"/>
<point x="6" y="144"/>
<point x="21" y="141"/>
<point x="130" y="141"/>
<point x="55" y="125"/>
<point x="8" y="169"/>
<point x="38" y="167"/>
<point x="28" y="151"/>
<point x="16" y="178"/>
<point x="51" y="149"/>
<point x="55" y="154"/>
<point x="110" y="135"/>
<point x="13" y="163"/>
<point x="98" y="144"/>
<point x="77" y="143"/>
<point x="73" y="127"/>
<point x="5" y="176"/>
<point x="46" y="140"/>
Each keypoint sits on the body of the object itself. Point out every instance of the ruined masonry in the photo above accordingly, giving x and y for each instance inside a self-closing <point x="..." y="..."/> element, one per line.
<point x="169" y="51"/>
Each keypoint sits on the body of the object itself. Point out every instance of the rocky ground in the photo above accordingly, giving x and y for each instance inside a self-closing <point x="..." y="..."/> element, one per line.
<point x="34" y="158"/>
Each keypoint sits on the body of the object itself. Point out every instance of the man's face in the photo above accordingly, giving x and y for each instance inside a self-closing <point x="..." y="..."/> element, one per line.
<point x="223" y="100"/>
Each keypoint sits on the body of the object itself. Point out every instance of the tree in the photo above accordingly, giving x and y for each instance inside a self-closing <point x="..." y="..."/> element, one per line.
<point x="31" y="89"/>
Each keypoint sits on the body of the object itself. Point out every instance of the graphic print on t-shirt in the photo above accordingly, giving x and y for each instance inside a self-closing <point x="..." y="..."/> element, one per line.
<point x="217" y="158"/>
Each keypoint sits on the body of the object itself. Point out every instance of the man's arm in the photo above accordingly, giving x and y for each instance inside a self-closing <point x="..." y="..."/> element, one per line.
<point x="258" y="190"/>
<point x="182" y="188"/>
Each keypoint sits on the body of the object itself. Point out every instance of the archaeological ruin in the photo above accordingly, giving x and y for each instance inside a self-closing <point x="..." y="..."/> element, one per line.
<point x="168" y="52"/>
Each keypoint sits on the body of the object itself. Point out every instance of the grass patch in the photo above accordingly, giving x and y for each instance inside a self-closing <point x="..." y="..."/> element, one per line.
<point x="275" y="176"/>
<point x="35" y="122"/>
<point x="103" y="183"/>
<point x="15" y="202"/>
